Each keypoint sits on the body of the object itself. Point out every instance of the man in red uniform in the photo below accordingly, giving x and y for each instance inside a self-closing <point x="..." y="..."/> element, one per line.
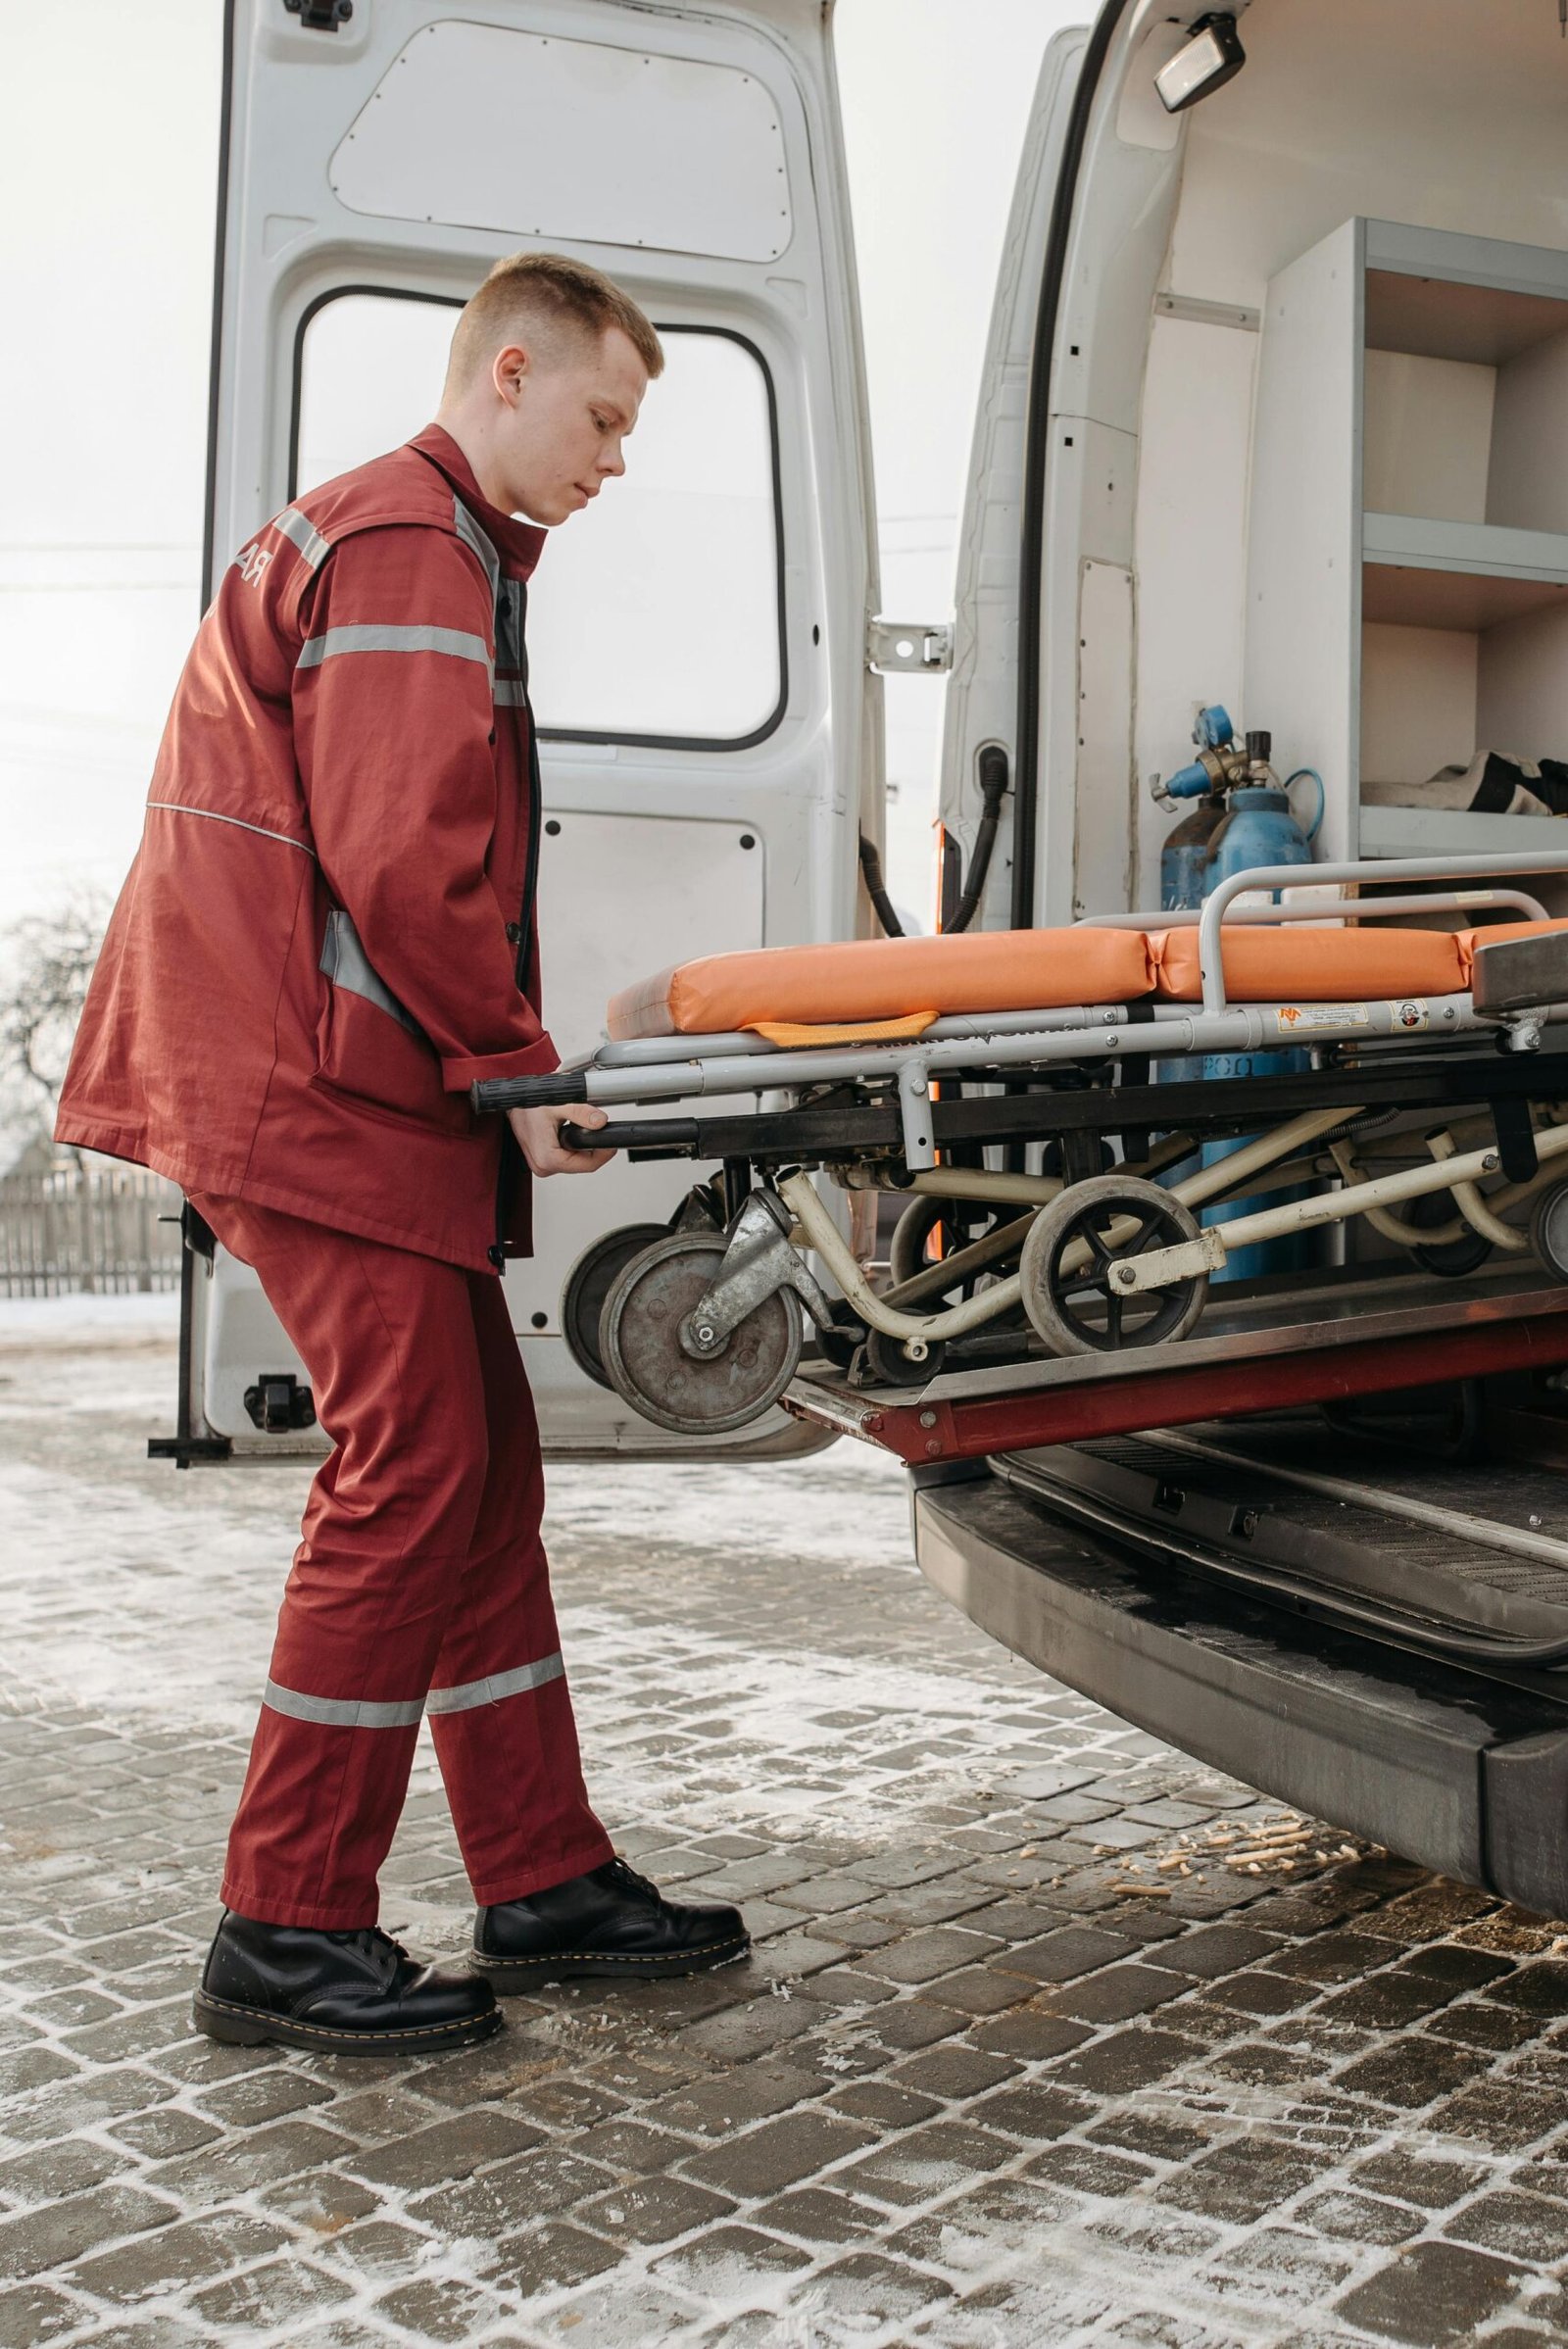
<point x="326" y="937"/>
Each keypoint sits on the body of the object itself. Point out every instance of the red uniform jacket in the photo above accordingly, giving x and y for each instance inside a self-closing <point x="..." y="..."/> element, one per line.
<point x="327" y="932"/>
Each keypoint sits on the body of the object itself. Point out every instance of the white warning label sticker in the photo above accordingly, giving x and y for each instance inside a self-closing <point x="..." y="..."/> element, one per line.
<point x="1411" y="1013"/>
<point x="1287" y="1018"/>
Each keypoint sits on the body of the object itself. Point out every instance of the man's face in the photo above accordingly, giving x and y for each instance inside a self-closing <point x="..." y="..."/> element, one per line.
<point x="564" y="415"/>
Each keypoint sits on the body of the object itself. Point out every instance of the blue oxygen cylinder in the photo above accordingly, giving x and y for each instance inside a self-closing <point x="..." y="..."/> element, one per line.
<point x="1259" y="829"/>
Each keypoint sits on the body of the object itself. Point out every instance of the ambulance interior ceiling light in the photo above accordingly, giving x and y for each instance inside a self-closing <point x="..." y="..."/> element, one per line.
<point x="1204" y="63"/>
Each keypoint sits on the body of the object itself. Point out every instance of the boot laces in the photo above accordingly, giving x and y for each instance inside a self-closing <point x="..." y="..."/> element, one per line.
<point x="629" y="1878"/>
<point x="372" y="1942"/>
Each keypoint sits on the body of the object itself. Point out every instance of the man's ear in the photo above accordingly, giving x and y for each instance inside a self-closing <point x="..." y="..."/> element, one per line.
<point x="509" y="371"/>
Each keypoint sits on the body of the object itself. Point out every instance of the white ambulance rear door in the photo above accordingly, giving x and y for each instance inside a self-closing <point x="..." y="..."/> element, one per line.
<point x="711" y="739"/>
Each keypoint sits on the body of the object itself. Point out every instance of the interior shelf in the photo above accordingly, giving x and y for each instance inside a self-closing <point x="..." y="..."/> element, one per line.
<point x="1487" y="547"/>
<point x="1418" y="596"/>
<point x="1455" y="832"/>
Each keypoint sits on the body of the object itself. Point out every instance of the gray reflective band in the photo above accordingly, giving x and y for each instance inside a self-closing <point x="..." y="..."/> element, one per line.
<point x="339" y="1712"/>
<point x="348" y="965"/>
<point x="512" y="693"/>
<point x="303" y="535"/>
<point x="177" y="807"/>
<point x="469" y="1693"/>
<point x="372" y="637"/>
<point x="471" y="535"/>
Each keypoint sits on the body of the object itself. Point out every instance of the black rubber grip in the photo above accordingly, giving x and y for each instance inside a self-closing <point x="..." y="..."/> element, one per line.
<point x="673" y="1135"/>
<point x="556" y="1092"/>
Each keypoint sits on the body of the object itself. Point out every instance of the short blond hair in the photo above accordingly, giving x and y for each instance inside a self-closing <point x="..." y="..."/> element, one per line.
<point x="549" y="298"/>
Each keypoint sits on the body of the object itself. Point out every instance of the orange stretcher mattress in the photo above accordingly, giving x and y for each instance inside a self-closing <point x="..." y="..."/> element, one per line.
<point x="827" y="994"/>
<point x="864" y="980"/>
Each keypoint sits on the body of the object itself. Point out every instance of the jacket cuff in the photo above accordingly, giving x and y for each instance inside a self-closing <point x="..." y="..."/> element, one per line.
<point x="530" y="1061"/>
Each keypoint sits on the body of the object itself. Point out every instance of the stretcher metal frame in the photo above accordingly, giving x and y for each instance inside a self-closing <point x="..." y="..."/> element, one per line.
<point x="877" y="1114"/>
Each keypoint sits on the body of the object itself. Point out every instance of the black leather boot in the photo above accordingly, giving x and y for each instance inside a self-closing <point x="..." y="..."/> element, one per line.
<point x="341" y="1993"/>
<point x="612" y="1922"/>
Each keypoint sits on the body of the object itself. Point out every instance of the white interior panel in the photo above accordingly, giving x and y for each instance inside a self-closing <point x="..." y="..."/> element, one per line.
<point x="1529" y="481"/>
<point x="1190" y="552"/>
<point x="1522" y="692"/>
<point x="1428" y="436"/>
<point x="1418" y="701"/>
<point x="1102" y="851"/>
<point x="478" y="126"/>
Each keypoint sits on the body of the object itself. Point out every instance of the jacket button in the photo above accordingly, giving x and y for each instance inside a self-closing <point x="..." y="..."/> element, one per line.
<point x="515" y="933"/>
<point x="492" y="738"/>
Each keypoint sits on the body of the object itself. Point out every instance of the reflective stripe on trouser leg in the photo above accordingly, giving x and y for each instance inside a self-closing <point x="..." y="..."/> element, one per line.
<point x="399" y="1517"/>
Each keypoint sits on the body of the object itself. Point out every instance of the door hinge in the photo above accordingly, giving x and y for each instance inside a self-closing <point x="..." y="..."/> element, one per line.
<point x="896" y="645"/>
<point x="278" y="1404"/>
<point x="320" y="15"/>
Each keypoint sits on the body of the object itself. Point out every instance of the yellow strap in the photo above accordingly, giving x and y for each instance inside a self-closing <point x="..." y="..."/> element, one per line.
<point x="874" y="1031"/>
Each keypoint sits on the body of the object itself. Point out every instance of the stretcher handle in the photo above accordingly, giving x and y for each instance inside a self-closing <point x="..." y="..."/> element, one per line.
<point x="665" y="1137"/>
<point x="558" y="1091"/>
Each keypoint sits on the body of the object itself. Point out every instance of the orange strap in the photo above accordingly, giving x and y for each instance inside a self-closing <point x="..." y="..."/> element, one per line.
<point x="874" y="1031"/>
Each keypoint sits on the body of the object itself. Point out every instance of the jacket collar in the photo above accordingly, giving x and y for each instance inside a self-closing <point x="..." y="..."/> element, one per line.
<point x="519" y="544"/>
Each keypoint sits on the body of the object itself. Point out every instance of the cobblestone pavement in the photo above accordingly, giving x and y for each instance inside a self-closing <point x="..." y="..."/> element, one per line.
<point x="968" y="2095"/>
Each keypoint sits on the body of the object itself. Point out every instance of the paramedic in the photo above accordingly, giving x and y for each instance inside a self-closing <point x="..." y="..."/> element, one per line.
<point x="326" y="937"/>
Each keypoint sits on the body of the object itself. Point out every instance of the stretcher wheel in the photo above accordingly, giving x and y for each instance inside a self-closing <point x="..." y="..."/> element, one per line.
<point x="639" y="1338"/>
<point x="839" y="1343"/>
<point x="921" y="1218"/>
<point x="888" y="1365"/>
<point x="1548" y="1230"/>
<point x="589" y="1283"/>
<point x="1076" y="1307"/>
<point x="1452" y="1257"/>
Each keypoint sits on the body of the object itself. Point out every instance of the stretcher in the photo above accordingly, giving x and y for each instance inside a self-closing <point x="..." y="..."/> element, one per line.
<point x="1058" y="1107"/>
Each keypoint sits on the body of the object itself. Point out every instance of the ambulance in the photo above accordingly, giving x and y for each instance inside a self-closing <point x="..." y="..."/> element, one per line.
<point x="1273" y="415"/>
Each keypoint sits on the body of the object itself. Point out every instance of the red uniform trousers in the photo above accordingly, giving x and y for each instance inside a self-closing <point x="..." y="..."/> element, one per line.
<point x="420" y="1583"/>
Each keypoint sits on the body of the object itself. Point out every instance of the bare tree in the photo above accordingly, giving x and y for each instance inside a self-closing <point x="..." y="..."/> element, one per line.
<point x="46" y="960"/>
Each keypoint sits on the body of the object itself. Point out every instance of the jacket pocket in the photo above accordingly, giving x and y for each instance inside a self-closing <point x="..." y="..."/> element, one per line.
<point x="369" y="1048"/>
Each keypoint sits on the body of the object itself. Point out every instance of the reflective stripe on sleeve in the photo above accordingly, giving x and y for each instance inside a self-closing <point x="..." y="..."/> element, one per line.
<point x="212" y="817"/>
<point x="337" y="1712"/>
<point x="372" y="637"/>
<point x="512" y="693"/>
<point x="469" y="1694"/>
<point x="469" y="532"/>
<point x="346" y="964"/>
<point x="303" y="535"/>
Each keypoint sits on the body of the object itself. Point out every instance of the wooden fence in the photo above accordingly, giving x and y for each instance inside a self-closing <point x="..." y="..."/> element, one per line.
<point x="96" y="1228"/>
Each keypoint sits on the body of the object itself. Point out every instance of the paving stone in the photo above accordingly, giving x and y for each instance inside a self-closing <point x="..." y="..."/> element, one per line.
<point x="439" y="2309"/>
<point x="766" y="2159"/>
<point x="632" y="2146"/>
<point x="549" y="2257"/>
<point x="1029" y="2033"/>
<point x="1502" y="2114"/>
<point x="448" y="2150"/>
<point x="264" y="2095"/>
<point x="162" y="2133"/>
<point x="870" y="2289"/>
<point x="321" y="2201"/>
<point x="1358" y="2218"/>
<point x="1431" y="2182"/>
<point x="1129" y="2059"/>
<point x="728" y="2262"/>
<point x="714" y="2108"/>
<point x="258" y="2157"/>
<point x="653" y="2210"/>
<point x="68" y="2231"/>
<point x="1521" y="2226"/>
<point x="173" y="2257"/>
<point x="1088" y="2169"/>
<point x="1434" y="2295"/>
<point x="378" y="2248"/>
<point x="280" y="2291"/>
<point x="633" y="2313"/>
<point x="1412" y="2071"/>
<point x="954" y="2071"/>
<point x="925" y="1956"/>
<point x="925" y="2163"/>
<point x="819" y="2214"/>
<point x="1063" y="1956"/>
<point x="71" y="2166"/>
<point x="33" y="2315"/>
<point x="1239" y="2182"/>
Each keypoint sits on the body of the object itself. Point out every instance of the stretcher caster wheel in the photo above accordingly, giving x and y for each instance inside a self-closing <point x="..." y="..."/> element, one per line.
<point x="888" y="1365"/>
<point x="639" y="1338"/>
<point x="1452" y="1257"/>
<point x="589" y="1283"/>
<point x="1548" y="1230"/>
<point x="1068" y="1265"/>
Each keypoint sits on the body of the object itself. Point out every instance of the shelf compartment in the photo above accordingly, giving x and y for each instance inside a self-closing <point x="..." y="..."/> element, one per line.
<point x="1413" y="596"/>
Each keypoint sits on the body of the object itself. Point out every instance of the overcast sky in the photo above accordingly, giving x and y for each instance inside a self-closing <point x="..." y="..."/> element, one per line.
<point x="108" y="156"/>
